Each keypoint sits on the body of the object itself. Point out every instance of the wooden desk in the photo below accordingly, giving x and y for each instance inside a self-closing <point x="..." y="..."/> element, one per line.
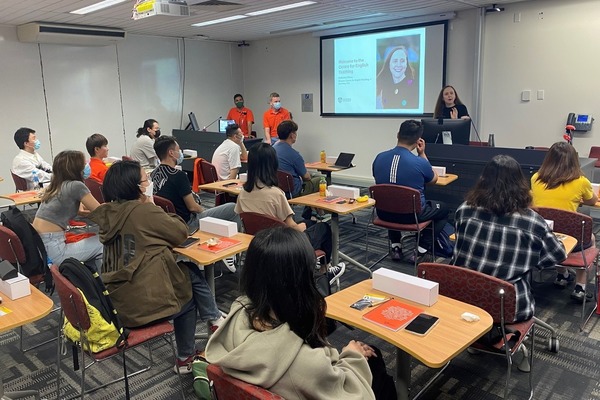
<point x="220" y="186"/>
<point x="207" y="258"/>
<point x="325" y="168"/>
<point x="23" y="311"/>
<point x="446" y="179"/>
<point x="313" y="200"/>
<point x="22" y="198"/>
<point x="445" y="341"/>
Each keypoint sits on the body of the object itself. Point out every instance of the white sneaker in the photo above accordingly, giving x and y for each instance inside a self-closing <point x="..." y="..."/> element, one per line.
<point x="230" y="263"/>
<point x="334" y="272"/>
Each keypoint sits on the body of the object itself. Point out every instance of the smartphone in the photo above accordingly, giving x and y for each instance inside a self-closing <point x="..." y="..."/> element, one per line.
<point x="422" y="324"/>
<point x="189" y="241"/>
<point x="194" y="230"/>
<point x="230" y="184"/>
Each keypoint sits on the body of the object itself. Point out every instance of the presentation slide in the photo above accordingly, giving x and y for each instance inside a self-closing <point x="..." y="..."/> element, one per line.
<point x="391" y="72"/>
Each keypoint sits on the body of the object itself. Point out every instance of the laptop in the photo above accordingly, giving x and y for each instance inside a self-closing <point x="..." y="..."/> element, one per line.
<point x="224" y="123"/>
<point x="344" y="160"/>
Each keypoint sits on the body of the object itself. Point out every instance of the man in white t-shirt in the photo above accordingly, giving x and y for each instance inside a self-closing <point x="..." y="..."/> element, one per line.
<point x="228" y="157"/>
<point x="28" y="162"/>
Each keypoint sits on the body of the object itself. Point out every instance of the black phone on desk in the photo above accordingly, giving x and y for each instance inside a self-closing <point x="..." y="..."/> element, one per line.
<point x="189" y="241"/>
<point x="422" y="324"/>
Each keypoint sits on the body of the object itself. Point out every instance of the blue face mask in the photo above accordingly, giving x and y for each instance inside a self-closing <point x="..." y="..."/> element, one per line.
<point x="277" y="105"/>
<point x="180" y="158"/>
<point x="87" y="171"/>
<point x="37" y="144"/>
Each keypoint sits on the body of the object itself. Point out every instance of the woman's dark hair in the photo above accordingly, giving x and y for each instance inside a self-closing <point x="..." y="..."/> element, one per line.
<point x="122" y="181"/>
<point x="501" y="188"/>
<point x="148" y="124"/>
<point x="440" y="104"/>
<point x="95" y="141"/>
<point x="262" y="166"/>
<point x="68" y="165"/>
<point x="278" y="280"/>
<point x="561" y="165"/>
<point x="384" y="73"/>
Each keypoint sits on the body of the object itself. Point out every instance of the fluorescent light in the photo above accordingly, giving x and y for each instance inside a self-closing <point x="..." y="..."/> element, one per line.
<point x="97" y="6"/>
<point x="282" y="8"/>
<point x="218" y="21"/>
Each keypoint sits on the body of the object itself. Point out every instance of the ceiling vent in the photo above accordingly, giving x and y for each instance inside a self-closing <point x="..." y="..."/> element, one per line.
<point x="80" y="35"/>
<point x="213" y="5"/>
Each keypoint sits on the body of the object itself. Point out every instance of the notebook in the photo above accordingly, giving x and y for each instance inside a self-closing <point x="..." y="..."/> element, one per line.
<point x="344" y="160"/>
<point x="393" y="314"/>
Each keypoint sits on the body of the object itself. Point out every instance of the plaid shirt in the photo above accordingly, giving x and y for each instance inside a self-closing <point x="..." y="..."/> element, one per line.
<point x="507" y="247"/>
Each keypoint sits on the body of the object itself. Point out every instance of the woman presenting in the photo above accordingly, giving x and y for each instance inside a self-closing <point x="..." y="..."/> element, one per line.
<point x="448" y="105"/>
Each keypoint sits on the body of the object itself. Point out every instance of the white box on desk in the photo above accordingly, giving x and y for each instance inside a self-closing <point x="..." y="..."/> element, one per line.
<point x="550" y="224"/>
<point x="344" y="191"/>
<point x="218" y="226"/>
<point x="190" y="152"/>
<point x="15" y="288"/>
<point x="596" y="188"/>
<point x="406" y="286"/>
<point x="331" y="159"/>
<point x="441" y="171"/>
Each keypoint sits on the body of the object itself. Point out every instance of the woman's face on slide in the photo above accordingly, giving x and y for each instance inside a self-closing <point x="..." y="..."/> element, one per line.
<point x="398" y="65"/>
<point x="449" y="96"/>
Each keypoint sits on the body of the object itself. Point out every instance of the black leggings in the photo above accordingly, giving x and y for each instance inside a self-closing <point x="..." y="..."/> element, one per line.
<point x="319" y="236"/>
<point x="383" y="384"/>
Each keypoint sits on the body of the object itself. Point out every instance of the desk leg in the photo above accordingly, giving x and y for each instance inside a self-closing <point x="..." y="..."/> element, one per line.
<point x="327" y="176"/>
<point x="336" y="254"/>
<point x="209" y="274"/>
<point x="403" y="360"/>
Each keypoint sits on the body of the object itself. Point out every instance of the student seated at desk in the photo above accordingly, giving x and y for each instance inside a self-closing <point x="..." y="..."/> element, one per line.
<point x="228" y="157"/>
<point x="142" y="150"/>
<point x="560" y="183"/>
<point x="60" y="203"/>
<point x="139" y="269"/>
<point x="498" y="234"/>
<point x="97" y="147"/>
<point x="275" y="333"/>
<point x="261" y="195"/>
<point x="28" y="162"/>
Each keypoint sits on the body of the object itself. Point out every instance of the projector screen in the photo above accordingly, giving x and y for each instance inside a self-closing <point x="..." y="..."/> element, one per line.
<point x="392" y="72"/>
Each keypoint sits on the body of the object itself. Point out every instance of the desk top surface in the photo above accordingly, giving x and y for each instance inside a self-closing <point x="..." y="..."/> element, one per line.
<point x="24" y="310"/>
<point x="321" y="166"/>
<point x="316" y="201"/>
<point x="231" y="186"/>
<point x="21" y="198"/>
<point x="205" y="257"/>
<point x="447" y="339"/>
<point x="446" y="179"/>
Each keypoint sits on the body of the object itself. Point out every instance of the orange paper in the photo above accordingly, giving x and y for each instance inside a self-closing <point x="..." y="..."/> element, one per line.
<point x="393" y="314"/>
<point x="224" y="243"/>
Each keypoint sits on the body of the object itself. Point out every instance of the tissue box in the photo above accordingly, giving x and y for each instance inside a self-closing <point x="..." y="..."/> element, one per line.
<point x="15" y="288"/>
<point x="218" y="226"/>
<point x="441" y="171"/>
<point x="344" y="191"/>
<point x="406" y="286"/>
<point x="243" y="177"/>
<point x="550" y="224"/>
<point x="331" y="159"/>
<point x="191" y="153"/>
<point x="596" y="188"/>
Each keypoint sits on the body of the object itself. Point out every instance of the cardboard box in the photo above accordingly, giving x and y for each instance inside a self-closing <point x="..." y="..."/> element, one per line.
<point x="344" y="191"/>
<point x="550" y="224"/>
<point x="15" y="288"/>
<point x="190" y="152"/>
<point x="441" y="171"/>
<point x="406" y="286"/>
<point x="218" y="226"/>
<point x="331" y="159"/>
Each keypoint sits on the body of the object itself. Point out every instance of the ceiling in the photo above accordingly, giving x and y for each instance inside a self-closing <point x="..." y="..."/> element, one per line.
<point x="325" y="14"/>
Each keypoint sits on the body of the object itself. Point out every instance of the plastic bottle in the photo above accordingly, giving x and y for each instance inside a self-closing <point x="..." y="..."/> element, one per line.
<point x="491" y="141"/>
<point x="323" y="156"/>
<point x="35" y="179"/>
<point x="323" y="187"/>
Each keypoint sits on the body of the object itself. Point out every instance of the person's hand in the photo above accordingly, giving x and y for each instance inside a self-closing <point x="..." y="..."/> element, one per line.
<point x="454" y="113"/>
<point x="364" y="349"/>
<point x="420" y="147"/>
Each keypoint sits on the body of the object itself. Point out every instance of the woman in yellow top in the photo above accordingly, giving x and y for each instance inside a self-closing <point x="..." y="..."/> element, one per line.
<point x="559" y="183"/>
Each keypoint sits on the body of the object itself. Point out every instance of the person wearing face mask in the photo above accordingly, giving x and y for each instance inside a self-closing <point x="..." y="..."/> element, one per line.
<point x="28" y="162"/>
<point x="142" y="150"/>
<point x="242" y="116"/>
<point x="60" y="203"/>
<point x="273" y="117"/>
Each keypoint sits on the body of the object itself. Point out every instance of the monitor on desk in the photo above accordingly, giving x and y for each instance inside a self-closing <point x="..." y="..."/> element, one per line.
<point x="193" y="123"/>
<point x="446" y="131"/>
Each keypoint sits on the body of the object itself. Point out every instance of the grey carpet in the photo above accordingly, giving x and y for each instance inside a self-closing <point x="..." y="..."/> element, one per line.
<point x="570" y="374"/>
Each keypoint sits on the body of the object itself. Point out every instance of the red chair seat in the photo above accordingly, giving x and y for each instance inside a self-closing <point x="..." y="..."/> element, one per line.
<point x="400" y="227"/>
<point x="522" y="327"/>
<point x="576" y="259"/>
<point x="230" y="388"/>
<point x="138" y="336"/>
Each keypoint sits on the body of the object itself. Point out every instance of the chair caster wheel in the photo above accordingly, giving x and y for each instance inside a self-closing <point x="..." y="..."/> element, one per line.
<point x="553" y="345"/>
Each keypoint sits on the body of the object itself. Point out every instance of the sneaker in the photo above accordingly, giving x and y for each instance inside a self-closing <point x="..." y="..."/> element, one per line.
<point x="324" y="217"/>
<point x="579" y="293"/>
<point x="230" y="263"/>
<point x="335" y="271"/>
<point x="215" y="324"/>
<point x="562" y="281"/>
<point x="185" y="366"/>
<point x="396" y="253"/>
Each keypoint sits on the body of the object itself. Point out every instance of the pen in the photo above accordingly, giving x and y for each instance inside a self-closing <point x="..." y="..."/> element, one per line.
<point x="380" y="302"/>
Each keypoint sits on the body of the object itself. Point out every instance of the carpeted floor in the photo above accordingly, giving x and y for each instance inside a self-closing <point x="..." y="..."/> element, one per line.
<point x="570" y="374"/>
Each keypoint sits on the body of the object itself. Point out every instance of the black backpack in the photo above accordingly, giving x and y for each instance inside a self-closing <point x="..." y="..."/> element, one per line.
<point x="36" y="259"/>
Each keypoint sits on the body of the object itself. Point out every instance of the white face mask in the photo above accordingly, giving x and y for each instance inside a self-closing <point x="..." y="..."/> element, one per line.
<point x="149" y="189"/>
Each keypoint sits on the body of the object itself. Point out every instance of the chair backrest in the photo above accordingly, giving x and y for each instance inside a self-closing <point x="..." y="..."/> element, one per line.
<point x="472" y="287"/>
<point x="595" y="153"/>
<point x="95" y="188"/>
<point x="478" y="144"/>
<point x="126" y="158"/>
<point x="571" y="223"/>
<point x="229" y="388"/>
<point x="255" y="222"/>
<point x="20" y="183"/>
<point x="209" y="172"/>
<point x="396" y="199"/>
<point x="11" y="248"/>
<point x="165" y="204"/>
<point x="71" y="300"/>
<point x="285" y="181"/>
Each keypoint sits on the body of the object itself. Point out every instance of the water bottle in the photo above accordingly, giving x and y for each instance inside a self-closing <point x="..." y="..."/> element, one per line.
<point x="35" y="179"/>
<point x="323" y="187"/>
<point x="491" y="142"/>
<point x="323" y="157"/>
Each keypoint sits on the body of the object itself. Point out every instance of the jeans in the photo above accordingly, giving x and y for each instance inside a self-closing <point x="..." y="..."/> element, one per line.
<point x="225" y="211"/>
<point x="203" y="297"/>
<point x="184" y="324"/>
<point x="88" y="249"/>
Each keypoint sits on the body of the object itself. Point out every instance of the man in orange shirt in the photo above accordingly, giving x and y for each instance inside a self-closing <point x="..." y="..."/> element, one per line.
<point x="273" y="117"/>
<point x="242" y="116"/>
<point x="97" y="147"/>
